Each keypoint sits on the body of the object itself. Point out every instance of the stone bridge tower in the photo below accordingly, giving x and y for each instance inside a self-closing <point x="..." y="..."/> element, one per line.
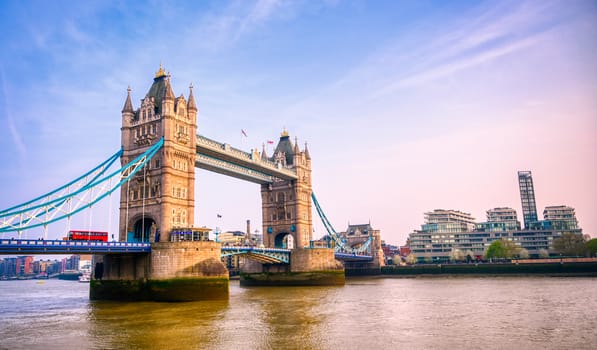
<point x="286" y="204"/>
<point x="161" y="196"/>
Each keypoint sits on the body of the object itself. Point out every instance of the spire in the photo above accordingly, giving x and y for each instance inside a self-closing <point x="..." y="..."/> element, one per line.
<point x="296" y="147"/>
<point x="263" y="154"/>
<point x="128" y="105"/>
<point x="160" y="73"/>
<point x="169" y="94"/>
<point x="191" y="106"/>
<point x="307" y="155"/>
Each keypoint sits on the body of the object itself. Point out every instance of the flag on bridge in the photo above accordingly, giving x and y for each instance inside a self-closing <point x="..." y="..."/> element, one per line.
<point x="219" y="215"/>
<point x="269" y="142"/>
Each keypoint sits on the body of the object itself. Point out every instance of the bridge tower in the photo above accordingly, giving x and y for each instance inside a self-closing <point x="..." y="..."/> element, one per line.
<point x="158" y="200"/>
<point x="286" y="204"/>
<point x="161" y="196"/>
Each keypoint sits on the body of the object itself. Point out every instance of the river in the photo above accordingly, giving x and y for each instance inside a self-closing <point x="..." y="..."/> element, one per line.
<point x="366" y="313"/>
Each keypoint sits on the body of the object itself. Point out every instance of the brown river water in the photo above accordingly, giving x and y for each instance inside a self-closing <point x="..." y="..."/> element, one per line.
<point x="366" y="313"/>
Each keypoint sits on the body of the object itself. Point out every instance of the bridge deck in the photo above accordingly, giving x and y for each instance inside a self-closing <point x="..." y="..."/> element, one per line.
<point x="34" y="246"/>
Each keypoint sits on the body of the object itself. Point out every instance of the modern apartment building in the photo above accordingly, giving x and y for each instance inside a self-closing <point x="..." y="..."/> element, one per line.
<point x="527" y="198"/>
<point x="442" y="240"/>
<point x="561" y="217"/>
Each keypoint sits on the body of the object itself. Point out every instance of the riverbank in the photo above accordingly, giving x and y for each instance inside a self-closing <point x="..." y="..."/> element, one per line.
<point x="585" y="269"/>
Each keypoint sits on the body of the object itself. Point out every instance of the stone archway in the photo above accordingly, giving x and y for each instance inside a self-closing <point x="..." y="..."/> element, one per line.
<point x="284" y="240"/>
<point x="142" y="229"/>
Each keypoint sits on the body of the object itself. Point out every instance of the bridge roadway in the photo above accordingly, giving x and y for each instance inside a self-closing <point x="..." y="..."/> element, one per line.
<point x="14" y="246"/>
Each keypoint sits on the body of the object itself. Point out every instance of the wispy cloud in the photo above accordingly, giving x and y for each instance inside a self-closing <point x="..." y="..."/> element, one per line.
<point x="427" y="52"/>
<point x="259" y="13"/>
<point x="17" y="139"/>
<point x="447" y="68"/>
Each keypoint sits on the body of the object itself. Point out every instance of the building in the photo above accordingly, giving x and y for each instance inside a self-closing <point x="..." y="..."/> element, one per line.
<point x="162" y="197"/>
<point x="560" y="217"/>
<point x="441" y="220"/>
<point x="499" y="219"/>
<point x="527" y="198"/>
<point x="443" y="242"/>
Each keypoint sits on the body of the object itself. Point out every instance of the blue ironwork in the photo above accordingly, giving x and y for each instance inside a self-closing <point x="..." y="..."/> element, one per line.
<point x="340" y="244"/>
<point x="34" y="246"/>
<point x="77" y="183"/>
<point x="353" y="257"/>
<point x="49" y="208"/>
<point x="263" y="255"/>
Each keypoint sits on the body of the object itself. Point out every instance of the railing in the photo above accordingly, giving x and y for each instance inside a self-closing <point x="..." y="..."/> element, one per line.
<point x="35" y="246"/>
<point x="264" y="255"/>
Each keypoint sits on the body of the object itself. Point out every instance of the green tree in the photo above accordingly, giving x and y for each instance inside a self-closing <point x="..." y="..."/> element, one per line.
<point x="502" y="249"/>
<point x="572" y="244"/>
<point x="592" y="246"/>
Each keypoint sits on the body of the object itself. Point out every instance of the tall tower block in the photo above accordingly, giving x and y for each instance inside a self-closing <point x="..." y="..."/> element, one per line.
<point x="286" y="204"/>
<point x="161" y="196"/>
<point x="527" y="197"/>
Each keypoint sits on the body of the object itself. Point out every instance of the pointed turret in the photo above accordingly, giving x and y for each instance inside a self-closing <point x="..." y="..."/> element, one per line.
<point x="307" y="155"/>
<point x="296" y="147"/>
<point x="191" y="106"/>
<point x="169" y="94"/>
<point x="284" y="149"/>
<point x="128" y="105"/>
<point x="263" y="154"/>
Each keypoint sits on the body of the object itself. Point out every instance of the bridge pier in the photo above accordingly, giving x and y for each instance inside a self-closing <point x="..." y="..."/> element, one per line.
<point x="173" y="271"/>
<point x="308" y="267"/>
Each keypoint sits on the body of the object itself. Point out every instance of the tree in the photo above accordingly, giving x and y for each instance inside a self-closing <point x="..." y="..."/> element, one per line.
<point x="543" y="253"/>
<point x="503" y="249"/>
<point x="523" y="253"/>
<point x="570" y="244"/>
<point x="411" y="259"/>
<point x="591" y="246"/>
<point x="456" y="255"/>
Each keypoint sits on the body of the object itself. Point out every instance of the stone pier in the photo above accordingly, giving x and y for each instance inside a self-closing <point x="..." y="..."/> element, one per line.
<point x="308" y="267"/>
<point x="173" y="271"/>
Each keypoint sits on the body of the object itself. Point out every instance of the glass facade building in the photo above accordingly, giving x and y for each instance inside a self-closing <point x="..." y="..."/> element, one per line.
<point x="527" y="198"/>
<point x="449" y="234"/>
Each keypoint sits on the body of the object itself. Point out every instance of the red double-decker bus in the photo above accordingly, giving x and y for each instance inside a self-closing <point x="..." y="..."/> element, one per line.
<point x="81" y="235"/>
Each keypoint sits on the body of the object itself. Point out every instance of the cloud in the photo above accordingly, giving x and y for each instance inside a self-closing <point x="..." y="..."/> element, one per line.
<point x="17" y="139"/>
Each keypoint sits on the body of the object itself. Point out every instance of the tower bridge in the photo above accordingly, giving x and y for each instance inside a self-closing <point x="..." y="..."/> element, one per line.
<point x="157" y="197"/>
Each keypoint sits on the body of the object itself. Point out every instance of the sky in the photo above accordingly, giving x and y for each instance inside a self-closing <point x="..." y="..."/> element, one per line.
<point x="406" y="106"/>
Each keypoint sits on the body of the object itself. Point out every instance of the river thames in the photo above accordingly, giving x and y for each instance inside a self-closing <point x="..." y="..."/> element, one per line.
<point x="366" y="313"/>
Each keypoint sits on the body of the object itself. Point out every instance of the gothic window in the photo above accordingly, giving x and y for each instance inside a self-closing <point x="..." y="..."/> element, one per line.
<point x="157" y="162"/>
<point x="154" y="127"/>
<point x="288" y="216"/>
